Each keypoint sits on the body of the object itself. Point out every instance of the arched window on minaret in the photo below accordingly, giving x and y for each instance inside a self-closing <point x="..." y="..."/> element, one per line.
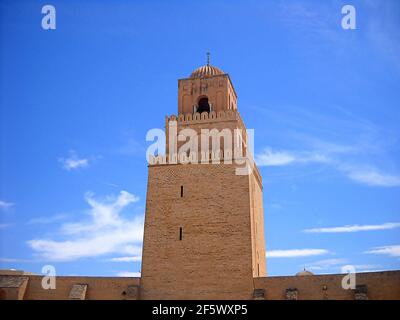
<point x="203" y="105"/>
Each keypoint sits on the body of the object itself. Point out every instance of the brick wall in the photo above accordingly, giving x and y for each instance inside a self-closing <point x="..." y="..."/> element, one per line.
<point x="372" y="285"/>
<point x="379" y="286"/>
<point x="98" y="288"/>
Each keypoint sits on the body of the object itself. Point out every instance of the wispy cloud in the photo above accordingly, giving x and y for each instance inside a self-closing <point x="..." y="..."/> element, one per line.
<point x="4" y="225"/>
<point x="327" y="264"/>
<point x="355" y="228"/>
<point x="336" y="265"/>
<point x="382" y="28"/>
<point x="73" y="162"/>
<point x="48" y="220"/>
<point x="373" y="177"/>
<point x="13" y="260"/>
<point x="271" y="157"/>
<point x="131" y="146"/>
<point x="274" y="158"/>
<point x="367" y="267"/>
<point x="362" y="174"/>
<point x="392" y="251"/>
<point x="312" y="20"/>
<point x="293" y="253"/>
<point x="128" y="274"/>
<point x="126" y="259"/>
<point x="106" y="232"/>
<point x="4" y="205"/>
<point x="356" y="148"/>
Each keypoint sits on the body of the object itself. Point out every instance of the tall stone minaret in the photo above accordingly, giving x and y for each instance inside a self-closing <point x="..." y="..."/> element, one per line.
<point x="204" y="228"/>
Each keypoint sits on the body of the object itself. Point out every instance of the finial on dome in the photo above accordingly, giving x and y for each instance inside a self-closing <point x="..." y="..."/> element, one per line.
<point x="208" y="58"/>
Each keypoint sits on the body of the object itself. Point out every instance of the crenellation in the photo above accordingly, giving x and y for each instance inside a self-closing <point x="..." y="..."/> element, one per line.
<point x="190" y="118"/>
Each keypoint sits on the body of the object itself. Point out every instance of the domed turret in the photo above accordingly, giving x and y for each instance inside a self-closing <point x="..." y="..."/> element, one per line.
<point x="304" y="273"/>
<point x="207" y="89"/>
<point x="206" y="71"/>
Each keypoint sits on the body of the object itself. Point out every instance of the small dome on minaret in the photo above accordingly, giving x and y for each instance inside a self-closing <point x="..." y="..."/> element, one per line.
<point x="206" y="70"/>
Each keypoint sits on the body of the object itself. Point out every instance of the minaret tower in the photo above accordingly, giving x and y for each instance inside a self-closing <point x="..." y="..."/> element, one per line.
<point x="204" y="229"/>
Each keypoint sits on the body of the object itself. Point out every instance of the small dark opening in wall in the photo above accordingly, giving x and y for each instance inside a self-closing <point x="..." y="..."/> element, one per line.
<point x="258" y="269"/>
<point x="180" y="233"/>
<point x="204" y="106"/>
<point x="181" y="191"/>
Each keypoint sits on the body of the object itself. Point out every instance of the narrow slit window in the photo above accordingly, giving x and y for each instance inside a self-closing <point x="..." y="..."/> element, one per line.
<point x="181" y="191"/>
<point x="258" y="269"/>
<point x="180" y="233"/>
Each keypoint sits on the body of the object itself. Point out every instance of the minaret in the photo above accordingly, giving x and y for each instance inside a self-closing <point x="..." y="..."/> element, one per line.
<point x="204" y="229"/>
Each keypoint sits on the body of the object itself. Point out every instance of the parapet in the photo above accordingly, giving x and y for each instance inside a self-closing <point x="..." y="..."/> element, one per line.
<point x="210" y="157"/>
<point x="214" y="157"/>
<point x="192" y="118"/>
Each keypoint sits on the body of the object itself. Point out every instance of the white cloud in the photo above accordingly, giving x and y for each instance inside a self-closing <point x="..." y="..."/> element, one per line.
<point x="274" y="158"/>
<point x="4" y="225"/>
<point x="332" y="155"/>
<point x="128" y="274"/>
<point x="330" y="148"/>
<point x="366" y="267"/>
<point x="352" y="148"/>
<point x="4" y="205"/>
<point x="74" y="162"/>
<point x="373" y="177"/>
<point x="126" y="259"/>
<point x="106" y="232"/>
<point x="354" y="228"/>
<point x="292" y="253"/>
<point x="271" y="158"/>
<point x="48" y="220"/>
<point x="327" y="264"/>
<point x="392" y="251"/>
<point x="13" y="260"/>
<point x="132" y="147"/>
<point x="382" y="31"/>
<point x="335" y="265"/>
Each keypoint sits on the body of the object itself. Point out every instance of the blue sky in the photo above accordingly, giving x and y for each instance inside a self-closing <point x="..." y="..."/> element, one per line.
<point x="76" y="104"/>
